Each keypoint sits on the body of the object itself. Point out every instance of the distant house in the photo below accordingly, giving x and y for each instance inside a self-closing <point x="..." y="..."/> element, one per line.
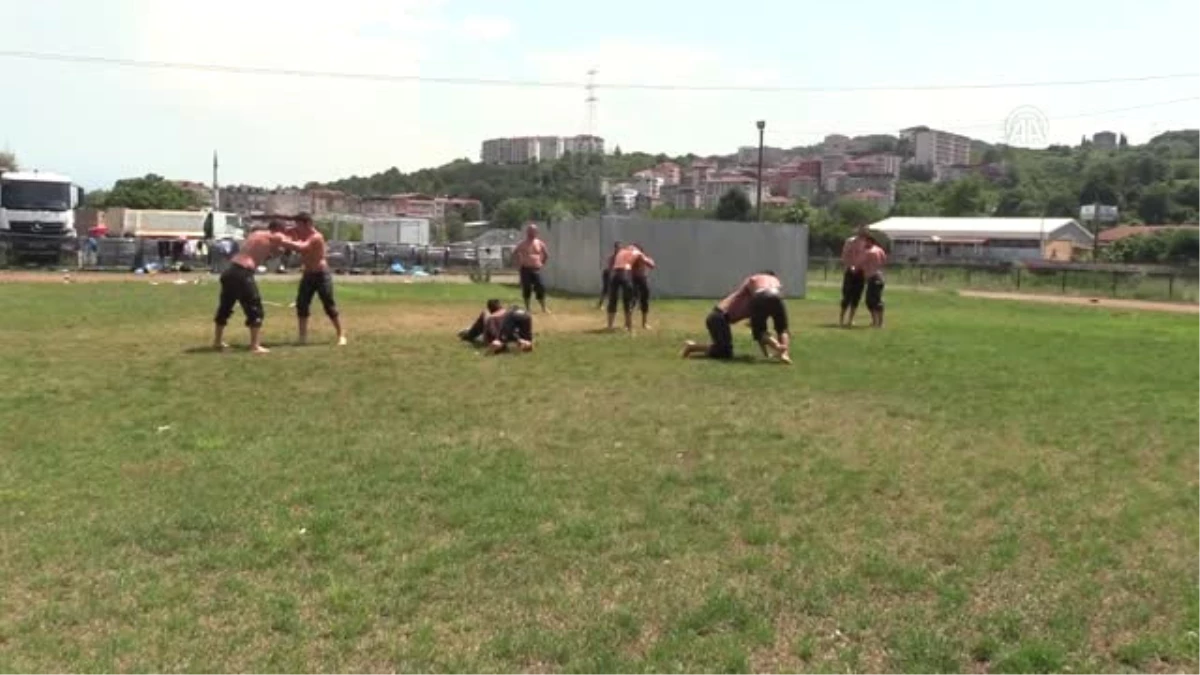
<point x="1006" y="239"/>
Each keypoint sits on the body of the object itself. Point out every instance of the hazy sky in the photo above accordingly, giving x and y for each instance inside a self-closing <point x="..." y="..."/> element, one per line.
<point x="102" y="122"/>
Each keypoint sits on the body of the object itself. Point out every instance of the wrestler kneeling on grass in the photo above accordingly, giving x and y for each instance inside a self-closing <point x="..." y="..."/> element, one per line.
<point x="477" y="329"/>
<point x="508" y="326"/>
<point x="758" y="298"/>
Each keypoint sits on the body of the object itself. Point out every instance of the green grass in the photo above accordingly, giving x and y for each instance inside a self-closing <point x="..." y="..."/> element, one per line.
<point x="982" y="486"/>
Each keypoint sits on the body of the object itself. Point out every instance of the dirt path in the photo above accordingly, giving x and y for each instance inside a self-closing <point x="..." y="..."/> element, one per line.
<point x="1110" y="303"/>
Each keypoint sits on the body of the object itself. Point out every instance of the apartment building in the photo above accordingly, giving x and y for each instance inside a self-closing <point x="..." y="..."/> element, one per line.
<point x="243" y="199"/>
<point x="804" y="187"/>
<point x="669" y="171"/>
<point x="648" y="183"/>
<point x="583" y="145"/>
<point x="881" y="164"/>
<point x="1104" y="140"/>
<point x="937" y="148"/>
<point x="528" y="149"/>
<point x="711" y="191"/>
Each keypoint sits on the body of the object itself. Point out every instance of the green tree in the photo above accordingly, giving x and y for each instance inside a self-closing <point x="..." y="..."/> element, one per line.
<point x="1137" y="249"/>
<point x="151" y="192"/>
<point x="8" y="162"/>
<point x="1188" y="194"/>
<point x="919" y="173"/>
<point x="512" y="214"/>
<point x="855" y="212"/>
<point x="733" y="205"/>
<point x="1096" y="191"/>
<point x="1011" y="204"/>
<point x="97" y="199"/>
<point x="471" y="213"/>
<point x="453" y="227"/>
<point x="1183" y="246"/>
<point x="1061" y="205"/>
<point x="992" y="155"/>
<point x="963" y="198"/>
<point x="1123" y="143"/>
<point x="1155" y="205"/>
<point x="1150" y="169"/>
<point x="826" y="235"/>
<point x="798" y="212"/>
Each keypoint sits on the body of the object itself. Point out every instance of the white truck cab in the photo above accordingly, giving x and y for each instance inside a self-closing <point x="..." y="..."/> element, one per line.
<point x="37" y="215"/>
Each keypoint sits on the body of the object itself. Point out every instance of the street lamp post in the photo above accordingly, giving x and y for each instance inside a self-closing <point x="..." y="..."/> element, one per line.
<point x="761" y="126"/>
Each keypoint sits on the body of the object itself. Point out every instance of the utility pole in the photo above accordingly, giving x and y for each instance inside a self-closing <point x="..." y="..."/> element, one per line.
<point x="1095" y="229"/>
<point x="761" y="126"/>
<point x="216" y="189"/>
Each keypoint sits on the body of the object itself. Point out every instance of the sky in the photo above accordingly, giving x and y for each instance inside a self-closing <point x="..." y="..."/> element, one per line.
<point x="102" y="122"/>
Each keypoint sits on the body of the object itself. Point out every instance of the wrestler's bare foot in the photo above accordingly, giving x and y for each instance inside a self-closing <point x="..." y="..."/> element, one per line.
<point x="786" y="358"/>
<point x="259" y="349"/>
<point x="220" y="346"/>
<point x="342" y="341"/>
<point x="687" y="349"/>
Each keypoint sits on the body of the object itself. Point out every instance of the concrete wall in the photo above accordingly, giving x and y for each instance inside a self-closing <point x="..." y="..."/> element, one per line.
<point x="696" y="258"/>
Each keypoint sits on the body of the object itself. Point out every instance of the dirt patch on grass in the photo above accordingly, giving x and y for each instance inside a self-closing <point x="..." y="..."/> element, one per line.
<point x="1109" y="303"/>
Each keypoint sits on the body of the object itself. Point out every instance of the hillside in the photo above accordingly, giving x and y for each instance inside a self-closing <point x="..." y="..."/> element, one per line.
<point x="568" y="185"/>
<point x="1152" y="183"/>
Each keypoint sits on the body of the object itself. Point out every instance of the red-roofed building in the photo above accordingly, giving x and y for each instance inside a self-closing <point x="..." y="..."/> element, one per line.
<point x="1120" y="232"/>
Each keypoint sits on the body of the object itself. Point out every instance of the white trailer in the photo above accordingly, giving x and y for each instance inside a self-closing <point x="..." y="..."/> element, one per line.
<point x="148" y="224"/>
<point x="407" y="231"/>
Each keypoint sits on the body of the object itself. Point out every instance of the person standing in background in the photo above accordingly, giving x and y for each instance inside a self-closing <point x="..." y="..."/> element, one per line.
<point x="641" y="285"/>
<point x="606" y="274"/>
<point x="530" y="256"/>
<point x="853" y="279"/>
<point x="873" y="260"/>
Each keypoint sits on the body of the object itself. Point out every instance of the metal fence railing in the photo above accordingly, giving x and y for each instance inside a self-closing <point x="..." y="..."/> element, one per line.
<point x="1134" y="282"/>
<point x="125" y="254"/>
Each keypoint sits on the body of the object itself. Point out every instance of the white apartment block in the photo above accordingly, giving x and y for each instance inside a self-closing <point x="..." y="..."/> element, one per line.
<point x="528" y="149"/>
<point x="938" y="148"/>
<point x="649" y="185"/>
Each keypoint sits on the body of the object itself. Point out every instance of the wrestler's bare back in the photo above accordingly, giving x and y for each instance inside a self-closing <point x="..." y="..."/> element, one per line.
<point x="257" y="249"/>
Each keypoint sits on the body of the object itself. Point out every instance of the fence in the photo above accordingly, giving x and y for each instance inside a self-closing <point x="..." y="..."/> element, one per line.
<point x="696" y="258"/>
<point x="1134" y="282"/>
<point x="116" y="254"/>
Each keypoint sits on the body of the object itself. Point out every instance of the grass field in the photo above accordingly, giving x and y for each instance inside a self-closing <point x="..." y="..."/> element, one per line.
<point x="983" y="486"/>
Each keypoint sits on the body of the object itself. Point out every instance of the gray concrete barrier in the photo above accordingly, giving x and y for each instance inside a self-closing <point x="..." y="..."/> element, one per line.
<point x="696" y="258"/>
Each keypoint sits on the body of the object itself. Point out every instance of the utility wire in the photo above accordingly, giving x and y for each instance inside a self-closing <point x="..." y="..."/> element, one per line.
<point x="558" y="84"/>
